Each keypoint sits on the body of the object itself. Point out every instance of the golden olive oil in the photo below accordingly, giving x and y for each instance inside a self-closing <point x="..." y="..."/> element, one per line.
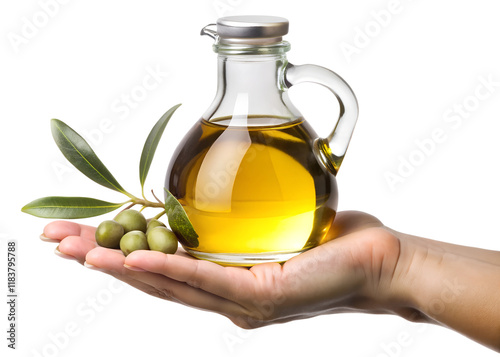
<point x="253" y="190"/>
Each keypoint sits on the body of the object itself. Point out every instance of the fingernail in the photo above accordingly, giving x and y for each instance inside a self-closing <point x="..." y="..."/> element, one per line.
<point x="130" y="267"/>
<point x="62" y="255"/>
<point x="47" y="239"/>
<point x="93" y="267"/>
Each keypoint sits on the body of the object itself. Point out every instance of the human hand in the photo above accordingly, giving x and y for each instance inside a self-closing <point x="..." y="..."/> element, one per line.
<point x="352" y="271"/>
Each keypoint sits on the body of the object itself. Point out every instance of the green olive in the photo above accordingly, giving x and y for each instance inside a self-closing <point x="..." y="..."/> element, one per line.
<point x="162" y="239"/>
<point x="131" y="220"/>
<point x="133" y="240"/>
<point x="154" y="223"/>
<point x="108" y="234"/>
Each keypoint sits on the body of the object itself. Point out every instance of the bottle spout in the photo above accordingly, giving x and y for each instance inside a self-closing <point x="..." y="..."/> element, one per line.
<point x="210" y="32"/>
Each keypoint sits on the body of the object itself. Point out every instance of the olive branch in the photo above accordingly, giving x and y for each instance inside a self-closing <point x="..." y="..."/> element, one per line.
<point x="79" y="153"/>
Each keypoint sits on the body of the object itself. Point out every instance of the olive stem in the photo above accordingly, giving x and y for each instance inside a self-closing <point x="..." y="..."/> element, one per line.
<point x="147" y="203"/>
<point x="156" y="197"/>
<point x="159" y="214"/>
<point x="144" y="203"/>
<point x="129" y="195"/>
<point x="128" y="207"/>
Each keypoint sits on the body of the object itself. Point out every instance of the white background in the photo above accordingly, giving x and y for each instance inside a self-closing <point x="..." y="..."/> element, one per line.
<point x="426" y="58"/>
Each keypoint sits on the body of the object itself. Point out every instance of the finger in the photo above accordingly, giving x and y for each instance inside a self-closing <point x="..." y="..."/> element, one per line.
<point x="76" y="246"/>
<point x="129" y="280"/>
<point x="173" y="290"/>
<point x="159" y="285"/>
<point x="181" y="252"/>
<point x="107" y="259"/>
<point x="50" y="240"/>
<point x="110" y="262"/>
<point x="58" y="230"/>
<point x="227" y="282"/>
<point x="88" y="232"/>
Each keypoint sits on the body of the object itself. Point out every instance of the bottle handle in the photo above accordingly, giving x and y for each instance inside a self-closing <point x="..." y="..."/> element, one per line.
<point x="330" y="150"/>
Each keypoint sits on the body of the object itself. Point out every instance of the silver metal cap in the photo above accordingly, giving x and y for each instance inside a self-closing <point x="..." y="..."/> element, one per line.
<point x="251" y="29"/>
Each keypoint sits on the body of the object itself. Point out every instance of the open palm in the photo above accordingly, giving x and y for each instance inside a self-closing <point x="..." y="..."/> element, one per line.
<point x="339" y="275"/>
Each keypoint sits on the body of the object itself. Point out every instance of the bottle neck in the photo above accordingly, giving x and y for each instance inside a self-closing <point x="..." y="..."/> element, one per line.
<point x="250" y="85"/>
<point x="250" y="73"/>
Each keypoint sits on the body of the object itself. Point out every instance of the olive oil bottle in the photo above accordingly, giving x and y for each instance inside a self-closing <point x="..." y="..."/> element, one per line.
<point x="254" y="190"/>
<point x="255" y="180"/>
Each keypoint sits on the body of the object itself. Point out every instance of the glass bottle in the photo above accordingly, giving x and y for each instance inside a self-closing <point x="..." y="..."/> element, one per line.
<point x="256" y="181"/>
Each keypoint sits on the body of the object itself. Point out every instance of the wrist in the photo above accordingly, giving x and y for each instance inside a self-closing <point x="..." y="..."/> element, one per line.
<point x="385" y="258"/>
<point x="412" y="277"/>
<point x="424" y="281"/>
<point x="405" y="276"/>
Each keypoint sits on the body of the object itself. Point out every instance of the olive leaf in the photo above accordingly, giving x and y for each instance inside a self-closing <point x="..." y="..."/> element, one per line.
<point x="69" y="207"/>
<point x="179" y="221"/>
<point x="81" y="155"/>
<point x="152" y="143"/>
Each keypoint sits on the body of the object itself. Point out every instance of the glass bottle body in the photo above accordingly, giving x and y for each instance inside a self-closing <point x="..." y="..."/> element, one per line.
<point x="255" y="180"/>
<point x="253" y="193"/>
